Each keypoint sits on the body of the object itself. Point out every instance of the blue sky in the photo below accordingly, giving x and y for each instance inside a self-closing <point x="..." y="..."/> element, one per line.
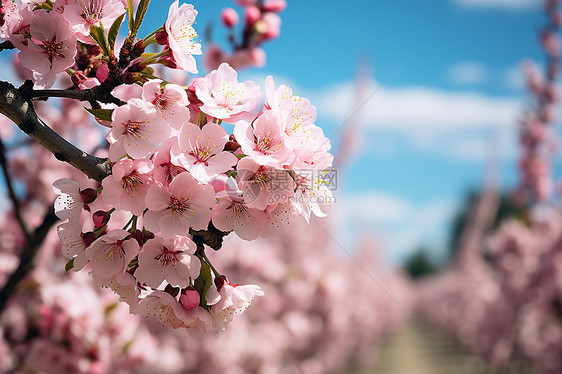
<point x="422" y="140"/>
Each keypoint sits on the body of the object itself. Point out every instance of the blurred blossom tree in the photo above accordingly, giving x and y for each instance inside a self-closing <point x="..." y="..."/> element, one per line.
<point x="502" y="295"/>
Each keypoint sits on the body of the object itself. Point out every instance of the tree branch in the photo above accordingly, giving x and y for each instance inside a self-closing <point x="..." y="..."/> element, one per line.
<point x="12" y="193"/>
<point x="27" y="256"/>
<point x="15" y="106"/>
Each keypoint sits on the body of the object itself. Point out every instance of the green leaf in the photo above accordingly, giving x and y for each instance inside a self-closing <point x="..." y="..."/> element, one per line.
<point x="203" y="282"/>
<point x="98" y="34"/>
<point x="130" y="10"/>
<point x="114" y="31"/>
<point x="69" y="265"/>
<point x="139" y="17"/>
<point x="134" y="262"/>
<point x="47" y="5"/>
<point x="103" y="114"/>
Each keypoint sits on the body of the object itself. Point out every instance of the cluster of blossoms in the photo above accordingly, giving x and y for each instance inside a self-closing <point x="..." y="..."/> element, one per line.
<point x="536" y="126"/>
<point x="178" y="180"/>
<point x="175" y="177"/>
<point x="261" y="23"/>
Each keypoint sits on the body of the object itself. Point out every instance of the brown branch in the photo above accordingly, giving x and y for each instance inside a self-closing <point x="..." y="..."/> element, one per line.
<point x="15" y="106"/>
<point x="27" y="257"/>
<point x="12" y="193"/>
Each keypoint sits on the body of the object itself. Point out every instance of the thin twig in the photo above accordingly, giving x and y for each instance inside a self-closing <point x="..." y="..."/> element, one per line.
<point x="27" y="257"/>
<point x="11" y="192"/>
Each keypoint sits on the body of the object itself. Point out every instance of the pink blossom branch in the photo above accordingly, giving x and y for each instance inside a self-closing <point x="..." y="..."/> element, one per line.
<point x="15" y="106"/>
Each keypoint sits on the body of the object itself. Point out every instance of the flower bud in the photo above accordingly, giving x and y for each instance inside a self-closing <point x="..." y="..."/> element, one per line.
<point x="220" y="281"/>
<point x="252" y="15"/>
<point x="88" y="195"/>
<point x="273" y="25"/>
<point x="190" y="298"/>
<point x="162" y="37"/>
<point x="245" y="2"/>
<point x="138" y="236"/>
<point x="101" y="218"/>
<point x="275" y="6"/>
<point x="229" y="17"/>
<point x="88" y="238"/>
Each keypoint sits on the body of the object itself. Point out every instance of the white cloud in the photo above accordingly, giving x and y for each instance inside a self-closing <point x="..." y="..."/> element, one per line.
<point x="467" y="73"/>
<point x="418" y="109"/>
<point x="499" y="4"/>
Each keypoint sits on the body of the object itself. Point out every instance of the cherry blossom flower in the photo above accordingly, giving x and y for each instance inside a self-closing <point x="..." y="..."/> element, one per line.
<point x="233" y="214"/>
<point x="85" y="13"/>
<point x="224" y="97"/>
<point x="9" y="16"/>
<point x="136" y="129"/>
<point x="124" y="285"/>
<point x="278" y="216"/>
<point x="170" y="260"/>
<point x="200" y="150"/>
<point x="111" y="254"/>
<point x="164" y="169"/>
<point x="69" y="203"/>
<point x="262" y="186"/>
<point x="199" y="321"/>
<point x="73" y="247"/>
<point x="183" y="204"/>
<point x="127" y="186"/>
<point x="164" y="308"/>
<point x="312" y="195"/>
<point x="234" y="298"/>
<point x="181" y="34"/>
<point x="170" y="101"/>
<point x="265" y="140"/>
<point x="51" y="48"/>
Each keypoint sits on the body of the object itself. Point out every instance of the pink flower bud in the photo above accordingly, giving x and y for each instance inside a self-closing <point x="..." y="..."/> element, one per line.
<point x="138" y="236"/>
<point x="252" y="15"/>
<point x="245" y="2"/>
<point x="89" y="195"/>
<point x="88" y="238"/>
<point x="190" y="298"/>
<point x="229" y="17"/>
<point x="162" y="38"/>
<point x="273" y="25"/>
<point x="275" y="6"/>
<point x="101" y="218"/>
<point x="220" y="281"/>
